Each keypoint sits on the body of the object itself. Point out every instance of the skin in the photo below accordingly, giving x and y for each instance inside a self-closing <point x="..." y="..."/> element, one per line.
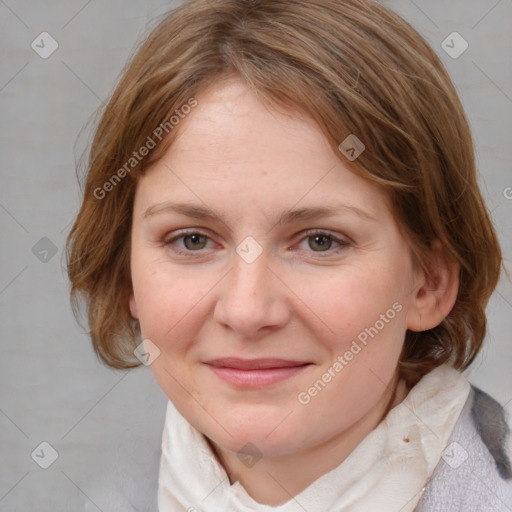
<point x="298" y="300"/>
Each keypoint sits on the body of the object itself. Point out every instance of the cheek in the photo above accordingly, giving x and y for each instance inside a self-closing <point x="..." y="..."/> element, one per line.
<point x="348" y="301"/>
<point x="366" y="310"/>
<point x="164" y="299"/>
<point x="170" y="306"/>
<point x="173" y="306"/>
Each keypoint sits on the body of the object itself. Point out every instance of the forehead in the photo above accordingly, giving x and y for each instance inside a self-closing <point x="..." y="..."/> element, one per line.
<point x="231" y="121"/>
<point x="232" y="148"/>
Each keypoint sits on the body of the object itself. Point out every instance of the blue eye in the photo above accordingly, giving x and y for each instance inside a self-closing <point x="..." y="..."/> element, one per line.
<point x="195" y="242"/>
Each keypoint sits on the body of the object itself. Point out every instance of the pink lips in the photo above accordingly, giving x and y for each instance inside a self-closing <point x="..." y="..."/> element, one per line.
<point x="255" y="372"/>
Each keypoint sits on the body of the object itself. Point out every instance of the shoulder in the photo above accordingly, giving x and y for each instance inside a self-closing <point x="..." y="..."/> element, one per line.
<point x="475" y="472"/>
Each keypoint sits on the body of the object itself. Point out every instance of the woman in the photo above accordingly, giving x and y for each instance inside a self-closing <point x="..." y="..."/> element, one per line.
<point x="281" y="216"/>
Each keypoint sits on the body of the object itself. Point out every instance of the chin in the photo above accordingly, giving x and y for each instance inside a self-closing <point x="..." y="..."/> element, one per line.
<point x="270" y="437"/>
<point x="259" y="447"/>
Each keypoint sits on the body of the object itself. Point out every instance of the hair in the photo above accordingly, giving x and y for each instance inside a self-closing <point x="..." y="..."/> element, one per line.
<point x="355" y="67"/>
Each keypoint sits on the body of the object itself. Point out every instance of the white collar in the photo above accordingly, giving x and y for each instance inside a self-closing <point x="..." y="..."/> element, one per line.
<point x="385" y="472"/>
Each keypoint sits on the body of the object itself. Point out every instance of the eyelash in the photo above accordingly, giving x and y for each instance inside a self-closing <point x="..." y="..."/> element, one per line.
<point x="307" y="234"/>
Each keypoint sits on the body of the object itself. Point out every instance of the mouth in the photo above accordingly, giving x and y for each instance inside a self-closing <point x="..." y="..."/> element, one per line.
<point x="255" y="372"/>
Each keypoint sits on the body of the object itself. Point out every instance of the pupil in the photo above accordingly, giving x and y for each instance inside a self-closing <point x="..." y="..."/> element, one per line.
<point x="320" y="237"/>
<point x="320" y="240"/>
<point x="195" y="239"/>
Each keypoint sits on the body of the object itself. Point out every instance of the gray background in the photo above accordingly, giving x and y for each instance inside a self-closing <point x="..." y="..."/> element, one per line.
<point x="105" y="424"/>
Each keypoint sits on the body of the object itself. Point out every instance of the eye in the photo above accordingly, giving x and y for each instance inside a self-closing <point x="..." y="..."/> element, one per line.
<point x="321" y="242"/>
<point x="194" y="241"/>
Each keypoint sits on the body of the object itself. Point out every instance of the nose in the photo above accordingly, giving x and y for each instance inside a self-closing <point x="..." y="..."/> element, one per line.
<point x="252" y="300"/>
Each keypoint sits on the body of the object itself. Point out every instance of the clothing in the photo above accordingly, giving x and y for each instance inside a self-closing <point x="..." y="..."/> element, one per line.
<point x="475" y="473"/>
<point x="387" y="471"/>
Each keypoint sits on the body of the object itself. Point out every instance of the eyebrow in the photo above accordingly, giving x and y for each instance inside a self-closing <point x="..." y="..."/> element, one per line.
<point x="286" y="217"/>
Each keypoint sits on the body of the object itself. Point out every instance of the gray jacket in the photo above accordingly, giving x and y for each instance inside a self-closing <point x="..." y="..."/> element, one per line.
<point x="474" y="473"/>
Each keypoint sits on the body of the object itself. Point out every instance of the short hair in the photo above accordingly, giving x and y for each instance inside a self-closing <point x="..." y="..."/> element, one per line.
<point x="355" y="67"/>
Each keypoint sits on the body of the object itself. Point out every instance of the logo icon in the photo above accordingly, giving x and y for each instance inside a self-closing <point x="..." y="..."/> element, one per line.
<point x="249" y="455"/>
<point x="146" y="352"/>
<point x="44" y="250"/>
<point x="454" y="455"/>
<point x="44" y="455"/>
<point x="249" y="250"/>
<point x="454" y="45"/>
<point x="44" y="45"/>
<point x="351" y="147"/>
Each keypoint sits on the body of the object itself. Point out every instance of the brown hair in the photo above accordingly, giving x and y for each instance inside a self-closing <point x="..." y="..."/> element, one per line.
<point x="355" y="67"/>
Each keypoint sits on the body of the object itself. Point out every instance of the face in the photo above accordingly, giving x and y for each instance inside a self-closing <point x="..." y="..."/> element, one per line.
<point x="276" y="328"/>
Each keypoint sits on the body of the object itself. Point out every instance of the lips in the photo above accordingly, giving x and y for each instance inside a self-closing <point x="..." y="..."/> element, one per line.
<point x="255" y="373"/>
<point x="253" y="364"/>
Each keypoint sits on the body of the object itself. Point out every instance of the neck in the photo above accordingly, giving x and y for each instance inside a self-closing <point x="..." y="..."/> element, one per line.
<point x="275" y="480"/>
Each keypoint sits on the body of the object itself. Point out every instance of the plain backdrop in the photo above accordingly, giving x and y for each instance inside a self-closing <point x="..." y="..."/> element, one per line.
<point x="105" y="425"/>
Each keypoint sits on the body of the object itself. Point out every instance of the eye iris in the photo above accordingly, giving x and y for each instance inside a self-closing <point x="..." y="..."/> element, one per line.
<point x="195" y="238"/>
<point x="327" y="241"/>
<point x="198" y="241"/>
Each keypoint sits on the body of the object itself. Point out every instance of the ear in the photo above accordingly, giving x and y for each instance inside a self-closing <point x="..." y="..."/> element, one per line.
<point x="133" y="307"/>
<point x="436" y="295"/>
